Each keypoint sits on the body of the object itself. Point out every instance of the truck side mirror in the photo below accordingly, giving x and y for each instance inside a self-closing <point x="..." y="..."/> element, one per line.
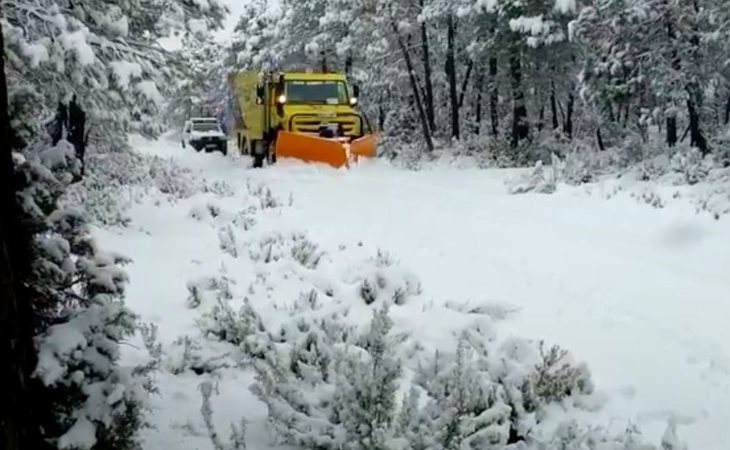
<point x="356" y="90"/>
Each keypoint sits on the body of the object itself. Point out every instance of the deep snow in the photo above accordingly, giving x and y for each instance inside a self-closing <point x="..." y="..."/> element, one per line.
<point x="638" y="293"/>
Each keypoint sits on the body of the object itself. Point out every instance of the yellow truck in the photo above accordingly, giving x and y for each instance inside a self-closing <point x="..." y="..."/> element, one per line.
<point x="305" y="115"/>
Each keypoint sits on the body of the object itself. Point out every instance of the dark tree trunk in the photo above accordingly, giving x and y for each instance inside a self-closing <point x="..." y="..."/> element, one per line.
<point x="727" y="110"/>
<point x="599" y="139"/>
<point x="414" y="86"/>
<point x="465" y="83"/>
<point x="19" y="428"/>
<point x="568" y="127"/>
<point x="697" y="137"/>
<point x="672" y="121"/>
<point x="426" y="57"/>
<point x="671" y="131"/>
<point x="348" y="65"/>
<point x="520" y="127"/>
<point x="478" y="101"/>
<point x="77" y="131"/>
<point x="554" y="106"/>
<point x="324" y="62"/>
<point x="493" y="96"/>
<point x="451" y="73"/>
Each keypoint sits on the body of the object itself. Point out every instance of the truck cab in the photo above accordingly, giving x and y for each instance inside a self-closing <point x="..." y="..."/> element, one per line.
<point x="320" y="103"/>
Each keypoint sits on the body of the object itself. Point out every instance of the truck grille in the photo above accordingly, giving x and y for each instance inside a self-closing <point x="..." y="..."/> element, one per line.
<point x="311" y="124"/>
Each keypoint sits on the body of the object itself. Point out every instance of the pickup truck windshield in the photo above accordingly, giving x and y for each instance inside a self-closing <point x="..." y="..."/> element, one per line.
<point x="205" y="126"/>
<point x="317" y="92"/>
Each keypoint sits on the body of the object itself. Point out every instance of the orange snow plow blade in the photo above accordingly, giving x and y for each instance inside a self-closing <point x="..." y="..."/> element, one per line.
<point x="364" y="146"/>
<point x="311" y="148"/>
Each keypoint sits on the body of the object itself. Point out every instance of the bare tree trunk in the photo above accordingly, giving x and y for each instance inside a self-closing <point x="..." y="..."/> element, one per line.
<point x="493" y="96"/>
<point x="465" y="83"/>
<point x="568" y="127"/>
<point x="426" y="57"/>
<point x="414" y="86"/>
<point x="348" y="64"/>
<point x="694" y="100"/>
<point x="672" y="131"/>
<point x="19" y="429"/>
<point x="672" y="120"/>
<point x="554" y="105"/>
<point x="697" y="137"/>
<point x="727" y="110"/>
<point x="451" y="73"/>
<point x="599" y="139"/>
<point x="478" y="101"/>
<point x="520" y="127"/>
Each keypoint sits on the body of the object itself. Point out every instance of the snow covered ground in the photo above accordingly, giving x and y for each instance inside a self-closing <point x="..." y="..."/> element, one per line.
<point x="638" y="293"/>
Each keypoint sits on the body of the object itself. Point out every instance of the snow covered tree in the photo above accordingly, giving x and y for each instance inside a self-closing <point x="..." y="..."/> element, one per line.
<point x="366" y="390"/>
<point x="65" y="316"/>
<point x="104" y="53"/>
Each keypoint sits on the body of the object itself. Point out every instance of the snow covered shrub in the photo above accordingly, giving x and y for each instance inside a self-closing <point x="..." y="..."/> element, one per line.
<point x="556" y="377"/>
<point x="117" y="177"/>
<point x="266" y="198"/>
<point x="406" y="155"/>
<point x="81" y="317"/>
<point x="238" y="432"/>
<point x="367" y="386"/>
<point x="690" y="162"/>
<point x="234" y="327"/>
<point x="649" y="196"/>
<point x="538" y="181"/>
<point x="187" y="354"/>
<point x="306" y="252"/>
<point x="328" y="387"/>
<point x="245" y="218"/>
<point x="220" y="188"/>
<point x="276" y="246"/>
<point x="227" y="240"/>
<point x="208" y="290"/>
<point x="383" y="279"/>
<point x="490" y="397"/>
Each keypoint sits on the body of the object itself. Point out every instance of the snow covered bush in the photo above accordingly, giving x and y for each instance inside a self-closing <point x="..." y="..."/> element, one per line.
<point x="691" y="164"/>
<point x="382" y="279"/>
<point x="329" y="387"/>
<point x="276" y="246"/>
<point x="117" y="178"/>
<point x="80" y="314"/>
<point x="209" y="290"/>
<point x="539" y="181"/>
<point x="237" y="439"/>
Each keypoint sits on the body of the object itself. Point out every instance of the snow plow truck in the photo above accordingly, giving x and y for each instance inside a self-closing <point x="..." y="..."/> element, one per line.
<point x="300" y="114"/>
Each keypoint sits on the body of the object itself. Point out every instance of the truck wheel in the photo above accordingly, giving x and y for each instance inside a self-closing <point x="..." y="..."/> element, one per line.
<point x="258" y="161"/>
<point x="260" y="152"/>
<point x="224" y="149"/>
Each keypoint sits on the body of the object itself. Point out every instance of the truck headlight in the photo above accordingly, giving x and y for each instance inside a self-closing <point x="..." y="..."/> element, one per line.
<point x="281" y="99"/>
<point x="353" y="101"/>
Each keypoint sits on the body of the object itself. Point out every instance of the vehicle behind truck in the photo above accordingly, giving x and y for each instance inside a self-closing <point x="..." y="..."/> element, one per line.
<point x="205" y="133"/>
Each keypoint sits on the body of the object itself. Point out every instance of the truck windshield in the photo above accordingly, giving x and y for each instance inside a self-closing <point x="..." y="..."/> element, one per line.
<point x="311" y="91"/>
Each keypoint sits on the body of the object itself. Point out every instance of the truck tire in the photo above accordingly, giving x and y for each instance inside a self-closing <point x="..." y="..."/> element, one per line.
<point x="224" y="148"/>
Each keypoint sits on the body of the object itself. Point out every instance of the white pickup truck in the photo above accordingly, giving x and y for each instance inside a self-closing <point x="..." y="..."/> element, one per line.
<point x="204" y="133"/>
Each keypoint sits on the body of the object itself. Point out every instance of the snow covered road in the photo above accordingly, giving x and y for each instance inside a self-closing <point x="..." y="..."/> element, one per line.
<point x="638" y="293"/>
